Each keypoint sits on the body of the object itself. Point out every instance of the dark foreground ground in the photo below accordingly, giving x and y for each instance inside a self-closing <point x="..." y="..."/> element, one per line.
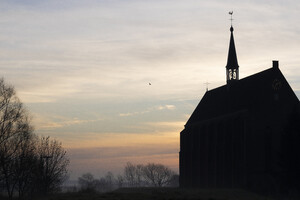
<point x="163" y="194"/>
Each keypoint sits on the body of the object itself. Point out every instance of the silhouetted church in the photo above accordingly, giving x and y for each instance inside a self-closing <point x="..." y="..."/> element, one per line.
<point x="243" y="134"/>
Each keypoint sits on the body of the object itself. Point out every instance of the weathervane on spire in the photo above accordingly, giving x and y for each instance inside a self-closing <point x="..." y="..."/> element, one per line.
<point x="231" y="13"/>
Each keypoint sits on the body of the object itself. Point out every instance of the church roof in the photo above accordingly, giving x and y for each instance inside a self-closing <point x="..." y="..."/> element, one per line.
<point x="232" y="62"/>
<point x="255" y="92"/>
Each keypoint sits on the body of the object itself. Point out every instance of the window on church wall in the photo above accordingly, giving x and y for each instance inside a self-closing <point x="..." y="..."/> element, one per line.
<point x="199" y="154"/>
<point x="211" y="151"/>
<point x="196" y="138"/>
<point x="182" y="142"/>
<point x="210" y="140"/>
<point x="232" y="74"/>
<point x="202" y="137"/>
<point x="236" y="150"/>
<point x="230" y="126"/>
<point x="235" y="74"/>
<point x="229" y="74"/>
<point x="220" y="131"/>
<point x="191" y="141"/>
<point x="187" y="141"/>
<point x="268" y="147"/>
<point x="240" y="150"/>
<point x="202" y="143"/>
<point x="228" y="149"/>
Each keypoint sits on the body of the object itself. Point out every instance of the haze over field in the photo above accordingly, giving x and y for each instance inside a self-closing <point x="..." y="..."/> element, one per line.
<point x="83" y="68"/>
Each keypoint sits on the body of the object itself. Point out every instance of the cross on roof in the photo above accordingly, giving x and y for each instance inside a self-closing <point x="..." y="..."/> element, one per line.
<point x="231" y="19"/>
<point x="206" y="83"/>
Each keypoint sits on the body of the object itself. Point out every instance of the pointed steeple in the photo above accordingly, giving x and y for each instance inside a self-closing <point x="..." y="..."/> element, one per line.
<point x="232" y="67"/>
<point x="232" y="62"/>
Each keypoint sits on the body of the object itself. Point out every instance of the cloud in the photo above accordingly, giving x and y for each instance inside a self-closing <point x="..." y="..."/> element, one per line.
<point x="99" y="50"/>
<point x="166" y="107"/>
<point x="48" y="122"/>
<point x="169" y="124"/>
<point x="151" y="109"/>
<point x="160" y="133"/>
<point x="121" y="151"/>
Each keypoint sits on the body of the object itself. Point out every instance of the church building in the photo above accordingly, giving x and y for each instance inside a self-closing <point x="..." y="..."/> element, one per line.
<point x="243" y="134"/>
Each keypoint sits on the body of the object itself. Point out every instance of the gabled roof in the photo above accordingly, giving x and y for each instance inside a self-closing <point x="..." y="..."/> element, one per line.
<point x="255" y="92"/>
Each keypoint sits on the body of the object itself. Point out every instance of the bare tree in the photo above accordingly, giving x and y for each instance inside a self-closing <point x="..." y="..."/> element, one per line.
<point x="120" y="181"/>
<point x="110" y="180"/>
<point x="87" y="182"/>
<point x="27" y="164"/>
<point x="139" y="175"/>
<point x="133" y="174"/>
<point x="152" y="174"/>
<point x="14" y="128"/>
<point x="157" y="175"/>
<point x="174" y="182"/>
<point x="129" y="174"/>
<point x="53" y="164"/>
<point x="106" y="183"/>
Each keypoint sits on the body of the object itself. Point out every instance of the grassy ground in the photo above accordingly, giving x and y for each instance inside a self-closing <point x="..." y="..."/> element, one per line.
<point x="162" y="194"/>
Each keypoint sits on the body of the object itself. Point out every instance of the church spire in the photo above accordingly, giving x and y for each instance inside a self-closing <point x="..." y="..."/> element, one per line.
<point x="232" y="67"/>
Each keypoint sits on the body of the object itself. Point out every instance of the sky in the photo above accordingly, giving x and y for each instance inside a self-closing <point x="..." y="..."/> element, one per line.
<point x="83" y="68"/>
